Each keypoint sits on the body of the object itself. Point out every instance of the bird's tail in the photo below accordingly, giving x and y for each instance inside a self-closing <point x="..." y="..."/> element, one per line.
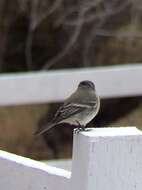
<point x="43" y="128"/>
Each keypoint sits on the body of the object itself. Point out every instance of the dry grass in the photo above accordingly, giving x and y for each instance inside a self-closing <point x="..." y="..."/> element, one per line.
<point x="17" y="124"/>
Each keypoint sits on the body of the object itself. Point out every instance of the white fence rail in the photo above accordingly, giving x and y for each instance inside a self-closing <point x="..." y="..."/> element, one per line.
<point x="106" y="158"/>
<point x="51" y="86"/>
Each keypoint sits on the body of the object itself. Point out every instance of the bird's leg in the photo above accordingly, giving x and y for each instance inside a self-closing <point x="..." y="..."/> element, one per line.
<point x="79" y="127"/>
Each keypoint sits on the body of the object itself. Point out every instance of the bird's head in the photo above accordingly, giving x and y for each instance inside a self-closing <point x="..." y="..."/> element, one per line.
<point x="86" y="84"/>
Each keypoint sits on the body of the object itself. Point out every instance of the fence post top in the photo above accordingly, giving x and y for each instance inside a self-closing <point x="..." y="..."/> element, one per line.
<point x="109" y="132"/>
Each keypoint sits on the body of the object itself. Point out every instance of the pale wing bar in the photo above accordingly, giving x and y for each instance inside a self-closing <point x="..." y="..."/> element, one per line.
<point x="68" y="110"/>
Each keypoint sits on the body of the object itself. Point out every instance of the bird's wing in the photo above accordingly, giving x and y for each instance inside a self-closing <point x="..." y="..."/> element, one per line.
<point x="63" y="112"/>
<point x="70" y="109"/>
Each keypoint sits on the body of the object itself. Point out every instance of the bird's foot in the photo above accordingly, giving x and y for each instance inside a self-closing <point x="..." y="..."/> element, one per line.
<point x="79" y="128"/>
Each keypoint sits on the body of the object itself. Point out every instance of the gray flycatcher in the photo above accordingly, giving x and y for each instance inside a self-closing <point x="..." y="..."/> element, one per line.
<point x="78" y="110"/>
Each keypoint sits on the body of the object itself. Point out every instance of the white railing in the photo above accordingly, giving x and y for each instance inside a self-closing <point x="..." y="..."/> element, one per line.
<point x="53" y="86"/>
<point x="104" y="158"/>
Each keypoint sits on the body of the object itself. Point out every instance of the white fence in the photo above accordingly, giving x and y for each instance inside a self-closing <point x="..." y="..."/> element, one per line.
<point x="102" y="158"/>
<point x="51" y="86"/>
<point x="105" y="158"/>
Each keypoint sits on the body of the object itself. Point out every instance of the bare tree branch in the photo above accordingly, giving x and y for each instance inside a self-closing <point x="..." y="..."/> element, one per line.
<point x="38" y="19"/>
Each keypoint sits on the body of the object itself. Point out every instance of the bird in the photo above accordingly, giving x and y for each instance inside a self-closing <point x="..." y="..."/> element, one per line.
<point x="77" y="110"/>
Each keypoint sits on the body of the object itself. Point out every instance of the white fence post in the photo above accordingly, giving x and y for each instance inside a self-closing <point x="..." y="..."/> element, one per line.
<point x="107" y="159"/>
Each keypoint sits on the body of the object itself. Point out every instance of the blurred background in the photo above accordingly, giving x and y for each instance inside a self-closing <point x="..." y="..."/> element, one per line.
<point x="60" y="34"/>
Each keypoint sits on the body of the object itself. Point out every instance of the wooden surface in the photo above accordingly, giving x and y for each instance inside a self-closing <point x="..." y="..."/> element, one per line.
<point x="107" y="158"/>
<point x="19" y="173"/>
<point x="55" y="86"/>
<point x="103" y="158"/>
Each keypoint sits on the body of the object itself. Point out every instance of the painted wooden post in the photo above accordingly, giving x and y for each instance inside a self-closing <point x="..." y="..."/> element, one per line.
<point x="103" y="159"/>
<point x="107" y="159"/>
